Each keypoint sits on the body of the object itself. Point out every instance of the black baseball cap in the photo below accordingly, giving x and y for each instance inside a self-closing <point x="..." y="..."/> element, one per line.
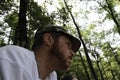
<point x="75" y="42"/>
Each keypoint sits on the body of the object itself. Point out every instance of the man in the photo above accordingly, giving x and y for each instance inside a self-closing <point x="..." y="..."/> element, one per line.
<point x="53" y="49"/>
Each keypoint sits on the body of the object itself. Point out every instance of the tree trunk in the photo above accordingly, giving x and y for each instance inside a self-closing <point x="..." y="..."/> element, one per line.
<point x="85" y="68"/>
<point x="97" y="62"/>
<point x="102" y="78"/>
<point x="21" y="31"/>
<point x="115" y="55"/>
<point x="113" y="15"/>
<point x="106" y="78"/>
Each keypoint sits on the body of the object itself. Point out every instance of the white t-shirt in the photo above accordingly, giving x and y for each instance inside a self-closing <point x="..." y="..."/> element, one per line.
<point x="17" y="63"/>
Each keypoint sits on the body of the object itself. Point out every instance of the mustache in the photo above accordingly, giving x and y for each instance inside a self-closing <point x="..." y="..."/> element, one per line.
<point x="68" y="58"/>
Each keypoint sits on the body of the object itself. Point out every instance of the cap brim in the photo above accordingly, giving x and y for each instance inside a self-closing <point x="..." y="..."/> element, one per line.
<point x="75" y="42"/>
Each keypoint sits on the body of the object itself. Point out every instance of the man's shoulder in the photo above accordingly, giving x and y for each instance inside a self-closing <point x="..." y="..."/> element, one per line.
<point x="13" y="49"/>
<point x="14" y="53"/>
<point x="9" y="47"/>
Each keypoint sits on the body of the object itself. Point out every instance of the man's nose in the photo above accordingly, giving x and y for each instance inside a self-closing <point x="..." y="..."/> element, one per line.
<point x="72" y="53"/>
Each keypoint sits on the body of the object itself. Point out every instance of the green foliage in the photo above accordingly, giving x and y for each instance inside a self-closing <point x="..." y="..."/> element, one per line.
<point x="2" y="43"/>
<point x="63" y="15"/>
<point x="12" y="19"/>
<point x="6" y="6"/>
<point x="77" y="68"/>
<point x="37" y="16"/>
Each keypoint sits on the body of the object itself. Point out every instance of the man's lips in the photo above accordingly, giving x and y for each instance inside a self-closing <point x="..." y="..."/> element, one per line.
<point x="69" y="61"/>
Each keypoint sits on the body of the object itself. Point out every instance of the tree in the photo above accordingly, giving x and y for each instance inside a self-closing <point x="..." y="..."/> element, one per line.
<point x="21" y="31"/>
<point x="109" y="7"/>
<point x="85" y="48"/>
<point x="6" y="7"/>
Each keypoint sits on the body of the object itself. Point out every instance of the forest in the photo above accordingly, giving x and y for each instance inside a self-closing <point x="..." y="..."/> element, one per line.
<point x="94" y="22"/>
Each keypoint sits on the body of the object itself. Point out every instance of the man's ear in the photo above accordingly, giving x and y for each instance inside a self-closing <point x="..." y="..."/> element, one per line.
<point x="47" y="39"/>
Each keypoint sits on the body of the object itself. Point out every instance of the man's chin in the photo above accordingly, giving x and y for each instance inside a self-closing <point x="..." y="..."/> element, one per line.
<point x="66" y="68"/>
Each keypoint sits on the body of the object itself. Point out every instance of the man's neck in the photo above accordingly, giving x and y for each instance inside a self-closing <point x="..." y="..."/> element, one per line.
<point x="45" y="66"/>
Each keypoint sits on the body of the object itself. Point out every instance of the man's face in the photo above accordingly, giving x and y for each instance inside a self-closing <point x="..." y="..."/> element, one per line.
<point x="62" y="49"/>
